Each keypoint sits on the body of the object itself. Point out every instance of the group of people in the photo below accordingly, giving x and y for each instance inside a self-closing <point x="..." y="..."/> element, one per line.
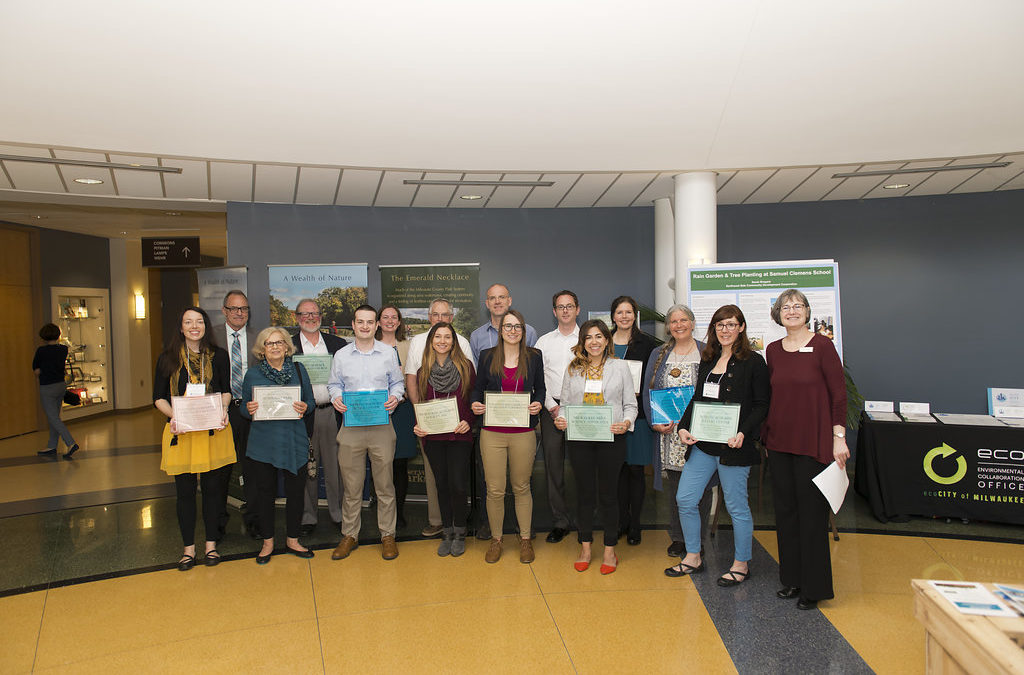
<point x="795" y="405"/>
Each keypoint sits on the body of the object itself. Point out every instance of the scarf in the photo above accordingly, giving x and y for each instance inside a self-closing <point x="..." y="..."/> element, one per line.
<point x="199" y="367"/>
<point x="283" y="376"/>
<point x="444" y="379"/>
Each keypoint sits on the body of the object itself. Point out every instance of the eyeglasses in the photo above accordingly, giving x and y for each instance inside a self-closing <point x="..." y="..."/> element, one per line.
<point x="795" y="307"/>
<point x="723" y="326"/>
<point x="274" y="343"/>
<point x="512" y="327"/>
<point x="491" y="298"/>
<point x="237" y="310"/>
<point x="439" y="315"/>
<point x="308" y="315"/>
<point x="565" y="308"/>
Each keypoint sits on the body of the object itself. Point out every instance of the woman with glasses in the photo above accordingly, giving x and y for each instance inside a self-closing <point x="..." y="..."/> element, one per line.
<point x="391" y="331"/>
<point x="509" y="367"/>
<point x="277" y="443"/>
<point x="729" y="373"/>
<point x="804" y="433"/>
<point x="192" y="365"/>
<point x="633" y="345"/>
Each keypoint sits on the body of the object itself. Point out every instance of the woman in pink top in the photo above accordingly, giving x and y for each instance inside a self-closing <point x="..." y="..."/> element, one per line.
<point x="804" y="432"/>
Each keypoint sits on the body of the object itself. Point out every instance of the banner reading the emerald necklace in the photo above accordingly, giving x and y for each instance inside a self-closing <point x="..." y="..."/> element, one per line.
<point x="411" y="288"/>
<point x="755" y="286"/>
<point x="338" y="289"/>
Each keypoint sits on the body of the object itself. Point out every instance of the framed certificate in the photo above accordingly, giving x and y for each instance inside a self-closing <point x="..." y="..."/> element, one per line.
<point x="439" y="416"/>
<point x="198" y="413"/>
<point x="588" y="423"/>
<point x="715" y="422"/>
<point x="317" y="365"/>
<point x="275" y="403"/>
<point x="668" y="405"/>
<point x="636" y="369"/>
<point x="507" y="410"/>
<point x="365" y="408"/>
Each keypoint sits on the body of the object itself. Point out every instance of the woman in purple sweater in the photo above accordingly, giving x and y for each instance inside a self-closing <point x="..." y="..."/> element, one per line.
<point x="804" y="432"/>
<point x="447" y="373"/>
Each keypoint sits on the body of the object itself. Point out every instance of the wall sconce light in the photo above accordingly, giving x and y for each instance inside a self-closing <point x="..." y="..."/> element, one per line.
<point x="140" y="306"/>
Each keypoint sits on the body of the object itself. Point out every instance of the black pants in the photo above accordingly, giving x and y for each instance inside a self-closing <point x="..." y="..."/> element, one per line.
<point x="264" y="477"/>
<point x="632" y="486"/>
<point x="400" y="477"/>
<point x="801" y="521"/>
<point x="240" y="435"/>
<point x="449" y="461"/>
<point x="596" y="467"/>
<point x="212" y="483"/>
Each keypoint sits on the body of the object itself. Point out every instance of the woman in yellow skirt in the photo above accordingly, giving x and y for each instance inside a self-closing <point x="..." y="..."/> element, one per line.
<point x="192" y="365"/>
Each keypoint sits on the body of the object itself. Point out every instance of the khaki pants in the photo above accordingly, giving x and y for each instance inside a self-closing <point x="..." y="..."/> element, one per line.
<point x="517" y="452"/>
<point x="354" y="445"/>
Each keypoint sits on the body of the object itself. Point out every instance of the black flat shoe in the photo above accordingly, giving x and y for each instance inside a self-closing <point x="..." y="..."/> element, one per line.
<point x="633" y="539"/>
<point x="211" y="558"/>
<point x="683" y="570"/>
<point x="788" y="592"/>
<point x="556" y="535"/>
<point x="72" y="450"/>
<point x="729" y="579"/>
<point x="807" y="604"/>
<point x="676" y="549"/>
<point x="49" y="452"/>
<point x="307" y="554"/>
<point x="263" y="559"/>
<point x="186" y="563"/>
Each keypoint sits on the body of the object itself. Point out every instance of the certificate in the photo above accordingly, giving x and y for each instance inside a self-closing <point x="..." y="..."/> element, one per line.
<point x="636" y="369"/>
<point x="275" y="403"/>
<point x="588" y="422"/>
<point x="507" y="410"/>
<point x="439" y="416"/>
<point x="198" y="413"/>
<point x="365" y="408"/>
<point x="317" y="365"/>
<point x="668" y="405"/>
<point x="715" y="422"/>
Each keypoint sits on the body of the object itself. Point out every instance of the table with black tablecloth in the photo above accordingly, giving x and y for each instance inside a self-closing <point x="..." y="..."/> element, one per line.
<point x="948" y="470"/>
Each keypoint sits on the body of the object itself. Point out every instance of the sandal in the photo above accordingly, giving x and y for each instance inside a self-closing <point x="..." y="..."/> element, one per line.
<point x="728" y="580"/>
<point x="212" y="557"/>
<point x="186" y="563"/>
<point x="682" y="569"/>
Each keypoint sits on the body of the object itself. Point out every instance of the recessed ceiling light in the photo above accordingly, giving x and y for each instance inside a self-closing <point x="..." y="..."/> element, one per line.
<point x="124" y="232"/>
<point x="172" y="213"/>
<point x="895" y="186"/>
<point x="88" y="181"/>
<point x="470" y="197"/>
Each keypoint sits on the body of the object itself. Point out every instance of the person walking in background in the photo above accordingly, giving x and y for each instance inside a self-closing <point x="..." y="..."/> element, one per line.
<point x="48" y="365"/>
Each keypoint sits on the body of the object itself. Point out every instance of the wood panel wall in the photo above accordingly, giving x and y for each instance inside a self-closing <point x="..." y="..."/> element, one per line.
<point x="19" y="394"/>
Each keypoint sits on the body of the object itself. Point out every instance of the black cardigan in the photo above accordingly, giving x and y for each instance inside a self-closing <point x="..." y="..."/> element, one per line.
<point x="533" y="385"/>
<point x="745" y="382"/>
<point x="220" y="381"/>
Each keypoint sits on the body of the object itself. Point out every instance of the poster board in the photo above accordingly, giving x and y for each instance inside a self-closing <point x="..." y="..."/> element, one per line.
<point x="412" y="288"/>
<point x="337" y="288"/>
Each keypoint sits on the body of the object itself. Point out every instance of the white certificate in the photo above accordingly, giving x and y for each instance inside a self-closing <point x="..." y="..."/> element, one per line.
<point x="198" y="413"/>
<point x="439" y="416"/>
<point x="636" y="369"/>
<point x="275" y="403"/>
<point x="715" y="422"/>
<point x="507" y="410"/>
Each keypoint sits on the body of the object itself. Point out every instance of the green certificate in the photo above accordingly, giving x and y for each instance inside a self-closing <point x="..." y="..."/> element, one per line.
<point x="506" y="410"/>
<point x="317" y="365"/>
<point x="714" y="422"/>
<point x="588" y="423"/>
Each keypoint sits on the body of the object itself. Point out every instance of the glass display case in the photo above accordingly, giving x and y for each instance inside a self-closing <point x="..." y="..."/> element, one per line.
<point x="84" y="320"/>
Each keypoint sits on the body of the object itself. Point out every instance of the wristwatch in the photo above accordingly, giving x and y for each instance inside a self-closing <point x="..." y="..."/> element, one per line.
<point x="839" y="434"/>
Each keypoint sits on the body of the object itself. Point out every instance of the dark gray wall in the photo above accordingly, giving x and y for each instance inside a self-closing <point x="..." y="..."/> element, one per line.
<point x="71" y="259"/>
<point x="931" y="286"/>
<point x="598" y="253"/>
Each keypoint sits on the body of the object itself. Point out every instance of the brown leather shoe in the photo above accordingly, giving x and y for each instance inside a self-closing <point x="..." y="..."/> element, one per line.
<point x="525" y="550"/>
<point x="388" y="547"/>
<point x="347" y="545"/>
<point x="493" y="554"/>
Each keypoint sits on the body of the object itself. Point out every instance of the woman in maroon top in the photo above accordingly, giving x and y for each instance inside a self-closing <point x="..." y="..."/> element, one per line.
<point x="447" y="373"/>
<point x="805" y="431"/>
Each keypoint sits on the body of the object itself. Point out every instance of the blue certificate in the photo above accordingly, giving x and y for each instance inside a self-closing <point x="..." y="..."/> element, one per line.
<point x="668" y="405"/>
<point x="365" y="408"/>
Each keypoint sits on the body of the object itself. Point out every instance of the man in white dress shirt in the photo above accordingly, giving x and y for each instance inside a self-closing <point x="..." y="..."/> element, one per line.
<point x="556" y="348"/>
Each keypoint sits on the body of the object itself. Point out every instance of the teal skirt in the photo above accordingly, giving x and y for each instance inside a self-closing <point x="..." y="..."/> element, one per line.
<point x="404" y="419"/>
<point x="640" y="444"/>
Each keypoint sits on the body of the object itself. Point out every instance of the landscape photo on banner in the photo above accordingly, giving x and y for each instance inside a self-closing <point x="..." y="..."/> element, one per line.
<point x="411" y="288"/>
<point x="338" y="290"/>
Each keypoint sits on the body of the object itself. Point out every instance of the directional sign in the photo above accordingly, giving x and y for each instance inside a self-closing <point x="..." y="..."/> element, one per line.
<point x="170" y="252"/>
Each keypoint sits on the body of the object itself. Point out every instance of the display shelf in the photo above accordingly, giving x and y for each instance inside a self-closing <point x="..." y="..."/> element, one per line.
<point x="83" y="317"/>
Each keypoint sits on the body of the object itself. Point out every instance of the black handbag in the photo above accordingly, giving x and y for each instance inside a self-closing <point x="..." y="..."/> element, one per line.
<point x="307" y="419"/>
<point x="71" y="398"/>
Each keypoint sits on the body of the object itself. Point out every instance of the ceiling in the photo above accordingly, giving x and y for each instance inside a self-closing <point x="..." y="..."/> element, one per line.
<point x="341" y="102"/>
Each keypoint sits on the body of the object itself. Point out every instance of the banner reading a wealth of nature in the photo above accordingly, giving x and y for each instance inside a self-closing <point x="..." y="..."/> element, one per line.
<point x="411" y="288"/>
<point x="338" y="289"/>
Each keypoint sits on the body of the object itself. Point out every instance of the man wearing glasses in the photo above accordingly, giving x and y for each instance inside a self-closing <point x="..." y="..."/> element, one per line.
<point x="238" y="337"/>
<point x="326" y="420"/>
<point x="440" y="310"/>
<point x="556" y="347"/>
<point x="498" y="300"/>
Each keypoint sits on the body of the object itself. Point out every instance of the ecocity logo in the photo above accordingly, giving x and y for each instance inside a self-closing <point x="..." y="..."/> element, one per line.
<point x="944" y="451"/>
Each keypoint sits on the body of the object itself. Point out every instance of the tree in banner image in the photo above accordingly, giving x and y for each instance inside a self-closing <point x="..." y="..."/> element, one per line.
<point x="279" y="314"/>
<point x="465" y="321"/>
<point x="339" y="304"/>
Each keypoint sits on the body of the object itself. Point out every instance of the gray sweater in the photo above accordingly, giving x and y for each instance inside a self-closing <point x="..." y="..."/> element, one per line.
<point x="616" y="387"/>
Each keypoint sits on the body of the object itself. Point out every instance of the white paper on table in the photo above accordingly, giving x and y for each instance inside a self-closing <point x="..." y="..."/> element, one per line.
<point x="878" y="406"/>
<point x="833" y="483"/>
<point x="918" y="419"/>
<point x="1008" y="411"/>
<point x="884" y="416"/>
<point x="972" y="598"/>
<point x="970" y="420"/>
<point x="906" y="407"/>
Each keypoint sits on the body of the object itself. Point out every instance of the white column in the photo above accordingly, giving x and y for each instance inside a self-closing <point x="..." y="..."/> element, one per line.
<point x="696" y="225"/>
<point x="131" y="360"/>
<point x="664" y="258"/>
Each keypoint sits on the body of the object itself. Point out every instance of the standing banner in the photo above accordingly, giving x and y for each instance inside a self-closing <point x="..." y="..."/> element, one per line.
<point x="214" y="284"/>
<point x="754" y="287"/>
<point x="411" y="288"/>
<point x="338" y="289"/>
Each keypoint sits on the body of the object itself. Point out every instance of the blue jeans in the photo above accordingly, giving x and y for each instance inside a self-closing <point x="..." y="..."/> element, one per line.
<point x="696" y="473"/>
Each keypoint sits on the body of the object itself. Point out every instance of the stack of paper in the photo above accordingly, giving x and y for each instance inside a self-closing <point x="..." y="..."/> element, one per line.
<point x="970" y="420"/>
<point x="884" y="417"/>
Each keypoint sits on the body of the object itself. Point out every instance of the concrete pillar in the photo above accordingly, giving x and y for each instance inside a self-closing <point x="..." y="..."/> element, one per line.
<point x="696" y="225"/>
<point x="664" y="258"/>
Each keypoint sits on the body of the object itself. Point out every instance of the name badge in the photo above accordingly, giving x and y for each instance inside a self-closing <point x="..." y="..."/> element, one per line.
<point x="806" y="350"/>
<point x="195" y="389"/>
<point x="592" y="387"/>
<point x="710" y="390"/>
